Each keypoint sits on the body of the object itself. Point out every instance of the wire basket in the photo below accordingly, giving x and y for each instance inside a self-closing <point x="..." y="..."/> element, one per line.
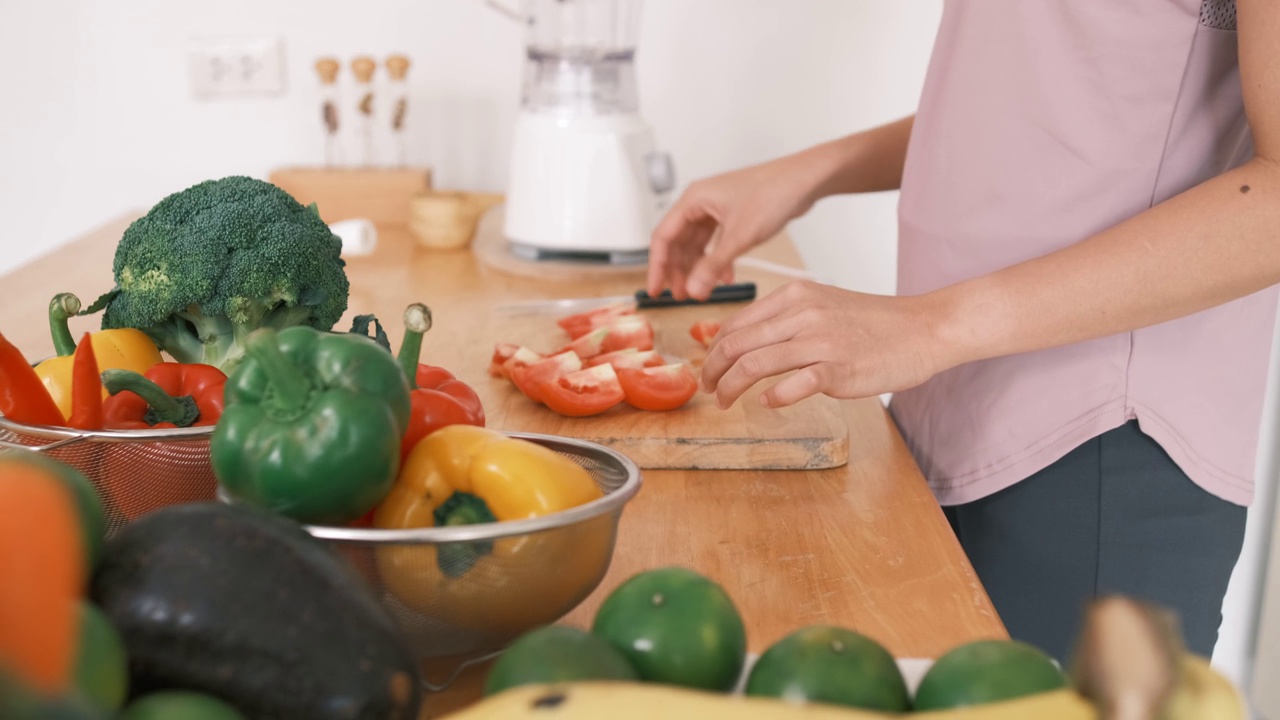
<point x="526" y="573"/>
<point x="134" y="471"/>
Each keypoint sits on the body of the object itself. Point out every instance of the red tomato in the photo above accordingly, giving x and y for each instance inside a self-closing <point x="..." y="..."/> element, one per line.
<point x="523" y="357"/>
<point x="659" y="388"/>
<point x="532" y="377"/>
<point x="584" y="322"/>
<point x="704" y="330"/>
<point x="630" y="332"/>
<point x="502" y="352"/>
<point x="629" y="358"/>
<point x="589" y="345"/>
<point x="586" y="392"/>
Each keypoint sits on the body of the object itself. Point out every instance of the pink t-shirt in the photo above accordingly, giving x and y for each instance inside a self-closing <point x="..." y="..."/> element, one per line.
<point x="1044" y="122"/>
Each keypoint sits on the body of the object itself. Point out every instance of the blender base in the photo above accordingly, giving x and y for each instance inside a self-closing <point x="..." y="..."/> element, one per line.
<point x="585" y="257"/>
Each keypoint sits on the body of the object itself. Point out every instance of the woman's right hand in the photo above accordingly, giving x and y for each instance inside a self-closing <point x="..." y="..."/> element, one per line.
<point x="720" y="218"/>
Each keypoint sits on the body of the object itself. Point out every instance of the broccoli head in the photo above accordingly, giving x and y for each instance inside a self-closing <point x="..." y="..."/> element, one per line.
<point x="210" y="264"/>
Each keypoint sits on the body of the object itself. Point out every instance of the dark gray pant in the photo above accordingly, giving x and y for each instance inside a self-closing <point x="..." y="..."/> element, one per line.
<point x="1116" y="515"/>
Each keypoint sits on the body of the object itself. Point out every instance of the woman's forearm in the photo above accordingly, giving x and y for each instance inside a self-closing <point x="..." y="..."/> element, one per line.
<point x="868" y="161"/>
<point x="1211" y="244"/>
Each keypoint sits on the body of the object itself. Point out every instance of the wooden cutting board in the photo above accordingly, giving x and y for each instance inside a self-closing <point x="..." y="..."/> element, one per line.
<point x="809" y="435"/>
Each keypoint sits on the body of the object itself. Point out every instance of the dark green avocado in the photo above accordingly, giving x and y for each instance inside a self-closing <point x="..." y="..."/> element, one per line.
<point x="246" y="606"/>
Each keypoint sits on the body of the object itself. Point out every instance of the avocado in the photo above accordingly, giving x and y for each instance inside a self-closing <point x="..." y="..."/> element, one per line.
<point x="244" y="605"/>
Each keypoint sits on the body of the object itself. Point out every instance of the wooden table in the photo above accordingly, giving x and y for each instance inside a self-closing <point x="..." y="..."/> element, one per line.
<point x="863" y="546"/>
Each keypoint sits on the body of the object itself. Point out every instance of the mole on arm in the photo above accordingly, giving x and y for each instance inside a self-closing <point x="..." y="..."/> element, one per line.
<point x="1244" y="189"/>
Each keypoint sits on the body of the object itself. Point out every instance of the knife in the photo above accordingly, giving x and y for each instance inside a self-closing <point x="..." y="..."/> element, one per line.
<point x="736" y="292"/>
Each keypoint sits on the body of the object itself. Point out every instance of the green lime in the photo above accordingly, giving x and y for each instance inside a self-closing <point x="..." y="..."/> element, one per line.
<point x="823" y="664"/>
<point x="557" y="654"/>
<point x="180" y="705"/>
<point x="102" y="668"/>
<point x="987" y="671"/>
<point x="676" y="627"/>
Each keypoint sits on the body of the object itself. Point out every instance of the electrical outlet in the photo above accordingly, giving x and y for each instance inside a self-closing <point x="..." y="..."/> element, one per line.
<point x="236" y="66"/>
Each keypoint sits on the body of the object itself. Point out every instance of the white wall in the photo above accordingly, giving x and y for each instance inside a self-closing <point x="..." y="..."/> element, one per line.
<point x="98" y="116"/>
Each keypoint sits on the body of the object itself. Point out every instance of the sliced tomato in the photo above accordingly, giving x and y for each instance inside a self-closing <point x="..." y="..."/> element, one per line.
<point x="502" y="352"/>
<point x="530" y="377"/>
<point x="586" y="392"/>
<point x="659" y="388"/>
<point x="628" y="332"/>
<point x="704" y="330"/>
<point x="629" y="358"/>
<point x="522" y="357"/>
<point x="584" y="322"/>
<point x="589" y="345"/>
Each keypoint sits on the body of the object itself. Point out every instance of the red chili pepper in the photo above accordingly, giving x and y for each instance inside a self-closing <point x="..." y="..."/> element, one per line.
<point x="23" y="398"/>
<point x="86" y="389"/>
<point x="168" y="395"/>
<point x="437" y="398"/>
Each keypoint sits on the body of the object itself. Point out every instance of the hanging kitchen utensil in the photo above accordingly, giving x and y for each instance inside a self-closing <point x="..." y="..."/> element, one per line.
<point x="363" y="68"/>
<point x="397" y="69"/>
<point x="327" y="68"/>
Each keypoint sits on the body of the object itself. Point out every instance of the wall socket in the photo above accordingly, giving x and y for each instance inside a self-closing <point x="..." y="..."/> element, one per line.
<point x="236" y="66"/>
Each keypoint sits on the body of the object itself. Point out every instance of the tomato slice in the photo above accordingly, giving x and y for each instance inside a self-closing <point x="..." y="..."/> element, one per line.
<point x="530" y="377"/>
<point x="584" y="322"/>
<point x="628" y="358"/>
<point x="502" y="352"/>
<point x="586" y="392"/>
<point x="629" y="332"/>
<point x="523" y="357"/>
<point x="704" y="330"/>
<point x="658" y="388"/>
<point x="589" y="345"/>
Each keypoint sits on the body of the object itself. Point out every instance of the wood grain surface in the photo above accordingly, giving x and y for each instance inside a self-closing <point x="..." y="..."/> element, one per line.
<point x="864" y="545"/>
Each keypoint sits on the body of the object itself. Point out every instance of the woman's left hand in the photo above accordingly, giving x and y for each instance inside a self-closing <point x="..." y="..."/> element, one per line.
<point x="840" y="343"/>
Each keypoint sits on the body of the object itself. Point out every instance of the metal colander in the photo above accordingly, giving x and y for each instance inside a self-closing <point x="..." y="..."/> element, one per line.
<point x="134" y="471"/>
<point x="465" y="592"/>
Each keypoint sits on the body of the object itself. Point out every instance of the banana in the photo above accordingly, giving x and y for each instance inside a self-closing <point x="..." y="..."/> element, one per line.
<point x="1201" y="694"/>
<point x="639" y="701"/>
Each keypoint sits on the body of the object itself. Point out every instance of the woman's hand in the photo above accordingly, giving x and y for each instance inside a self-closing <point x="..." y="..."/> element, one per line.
<point x="717" y="219"/>
<point x="840" y="343"/>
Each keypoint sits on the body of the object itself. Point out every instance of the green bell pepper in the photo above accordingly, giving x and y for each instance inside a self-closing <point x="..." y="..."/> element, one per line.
<point x="312" y="425"/>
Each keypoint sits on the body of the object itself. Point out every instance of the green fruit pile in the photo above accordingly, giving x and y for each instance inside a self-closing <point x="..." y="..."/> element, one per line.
<point x="675" y="627"/>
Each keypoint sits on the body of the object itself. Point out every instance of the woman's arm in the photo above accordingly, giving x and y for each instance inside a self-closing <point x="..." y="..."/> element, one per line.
<point x="1211" y="244"/>
<point x="739" y="210"/>
<point x="868" y="161"/>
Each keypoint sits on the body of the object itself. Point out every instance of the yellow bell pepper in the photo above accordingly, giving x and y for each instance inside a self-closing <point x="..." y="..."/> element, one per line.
<point x="124" y="349"/>
<point x="463" y="474"/>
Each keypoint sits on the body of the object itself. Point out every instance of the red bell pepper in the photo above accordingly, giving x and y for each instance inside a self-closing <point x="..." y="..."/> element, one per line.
<point x="437" y="397"/>
<point x="168" y="395"/>
<point x="23" y="398"/>
<point x="86" y="389"/>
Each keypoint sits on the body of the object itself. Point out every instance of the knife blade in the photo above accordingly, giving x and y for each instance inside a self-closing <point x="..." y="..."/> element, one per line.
<point x="736" y="292"/>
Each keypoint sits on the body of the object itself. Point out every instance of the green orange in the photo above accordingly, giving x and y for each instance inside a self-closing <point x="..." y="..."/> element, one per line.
<point x="832" y="665"/>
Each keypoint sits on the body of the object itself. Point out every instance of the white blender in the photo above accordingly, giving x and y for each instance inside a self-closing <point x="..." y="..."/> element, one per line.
<point x="586" y="182"/>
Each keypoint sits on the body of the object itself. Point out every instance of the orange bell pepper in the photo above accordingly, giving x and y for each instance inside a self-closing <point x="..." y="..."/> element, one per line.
<point x="42" y="571"/>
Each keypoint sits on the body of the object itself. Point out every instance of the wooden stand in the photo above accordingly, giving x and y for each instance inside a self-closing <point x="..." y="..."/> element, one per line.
<point x="382" y="195"/>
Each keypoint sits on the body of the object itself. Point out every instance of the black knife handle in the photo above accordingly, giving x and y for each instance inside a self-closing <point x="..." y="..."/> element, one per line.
<point x="737" y="292"/>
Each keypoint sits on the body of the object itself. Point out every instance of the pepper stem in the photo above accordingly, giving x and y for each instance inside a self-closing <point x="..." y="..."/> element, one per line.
<point x="163" y="407"/>
<point x="291" y="388"/>
<point x="417" y="321"/>
<point x="61" y="307"/>
<point x="455" y="559"/>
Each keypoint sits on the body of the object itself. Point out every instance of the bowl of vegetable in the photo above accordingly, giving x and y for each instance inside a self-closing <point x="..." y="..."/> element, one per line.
<point x="465" y="570"/>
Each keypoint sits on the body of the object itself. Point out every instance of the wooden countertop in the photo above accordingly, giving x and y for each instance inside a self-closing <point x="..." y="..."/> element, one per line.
<point x="863" y="546"/>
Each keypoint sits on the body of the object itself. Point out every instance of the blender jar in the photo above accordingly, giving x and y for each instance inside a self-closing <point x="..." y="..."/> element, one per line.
<point x="579" y="55"/>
